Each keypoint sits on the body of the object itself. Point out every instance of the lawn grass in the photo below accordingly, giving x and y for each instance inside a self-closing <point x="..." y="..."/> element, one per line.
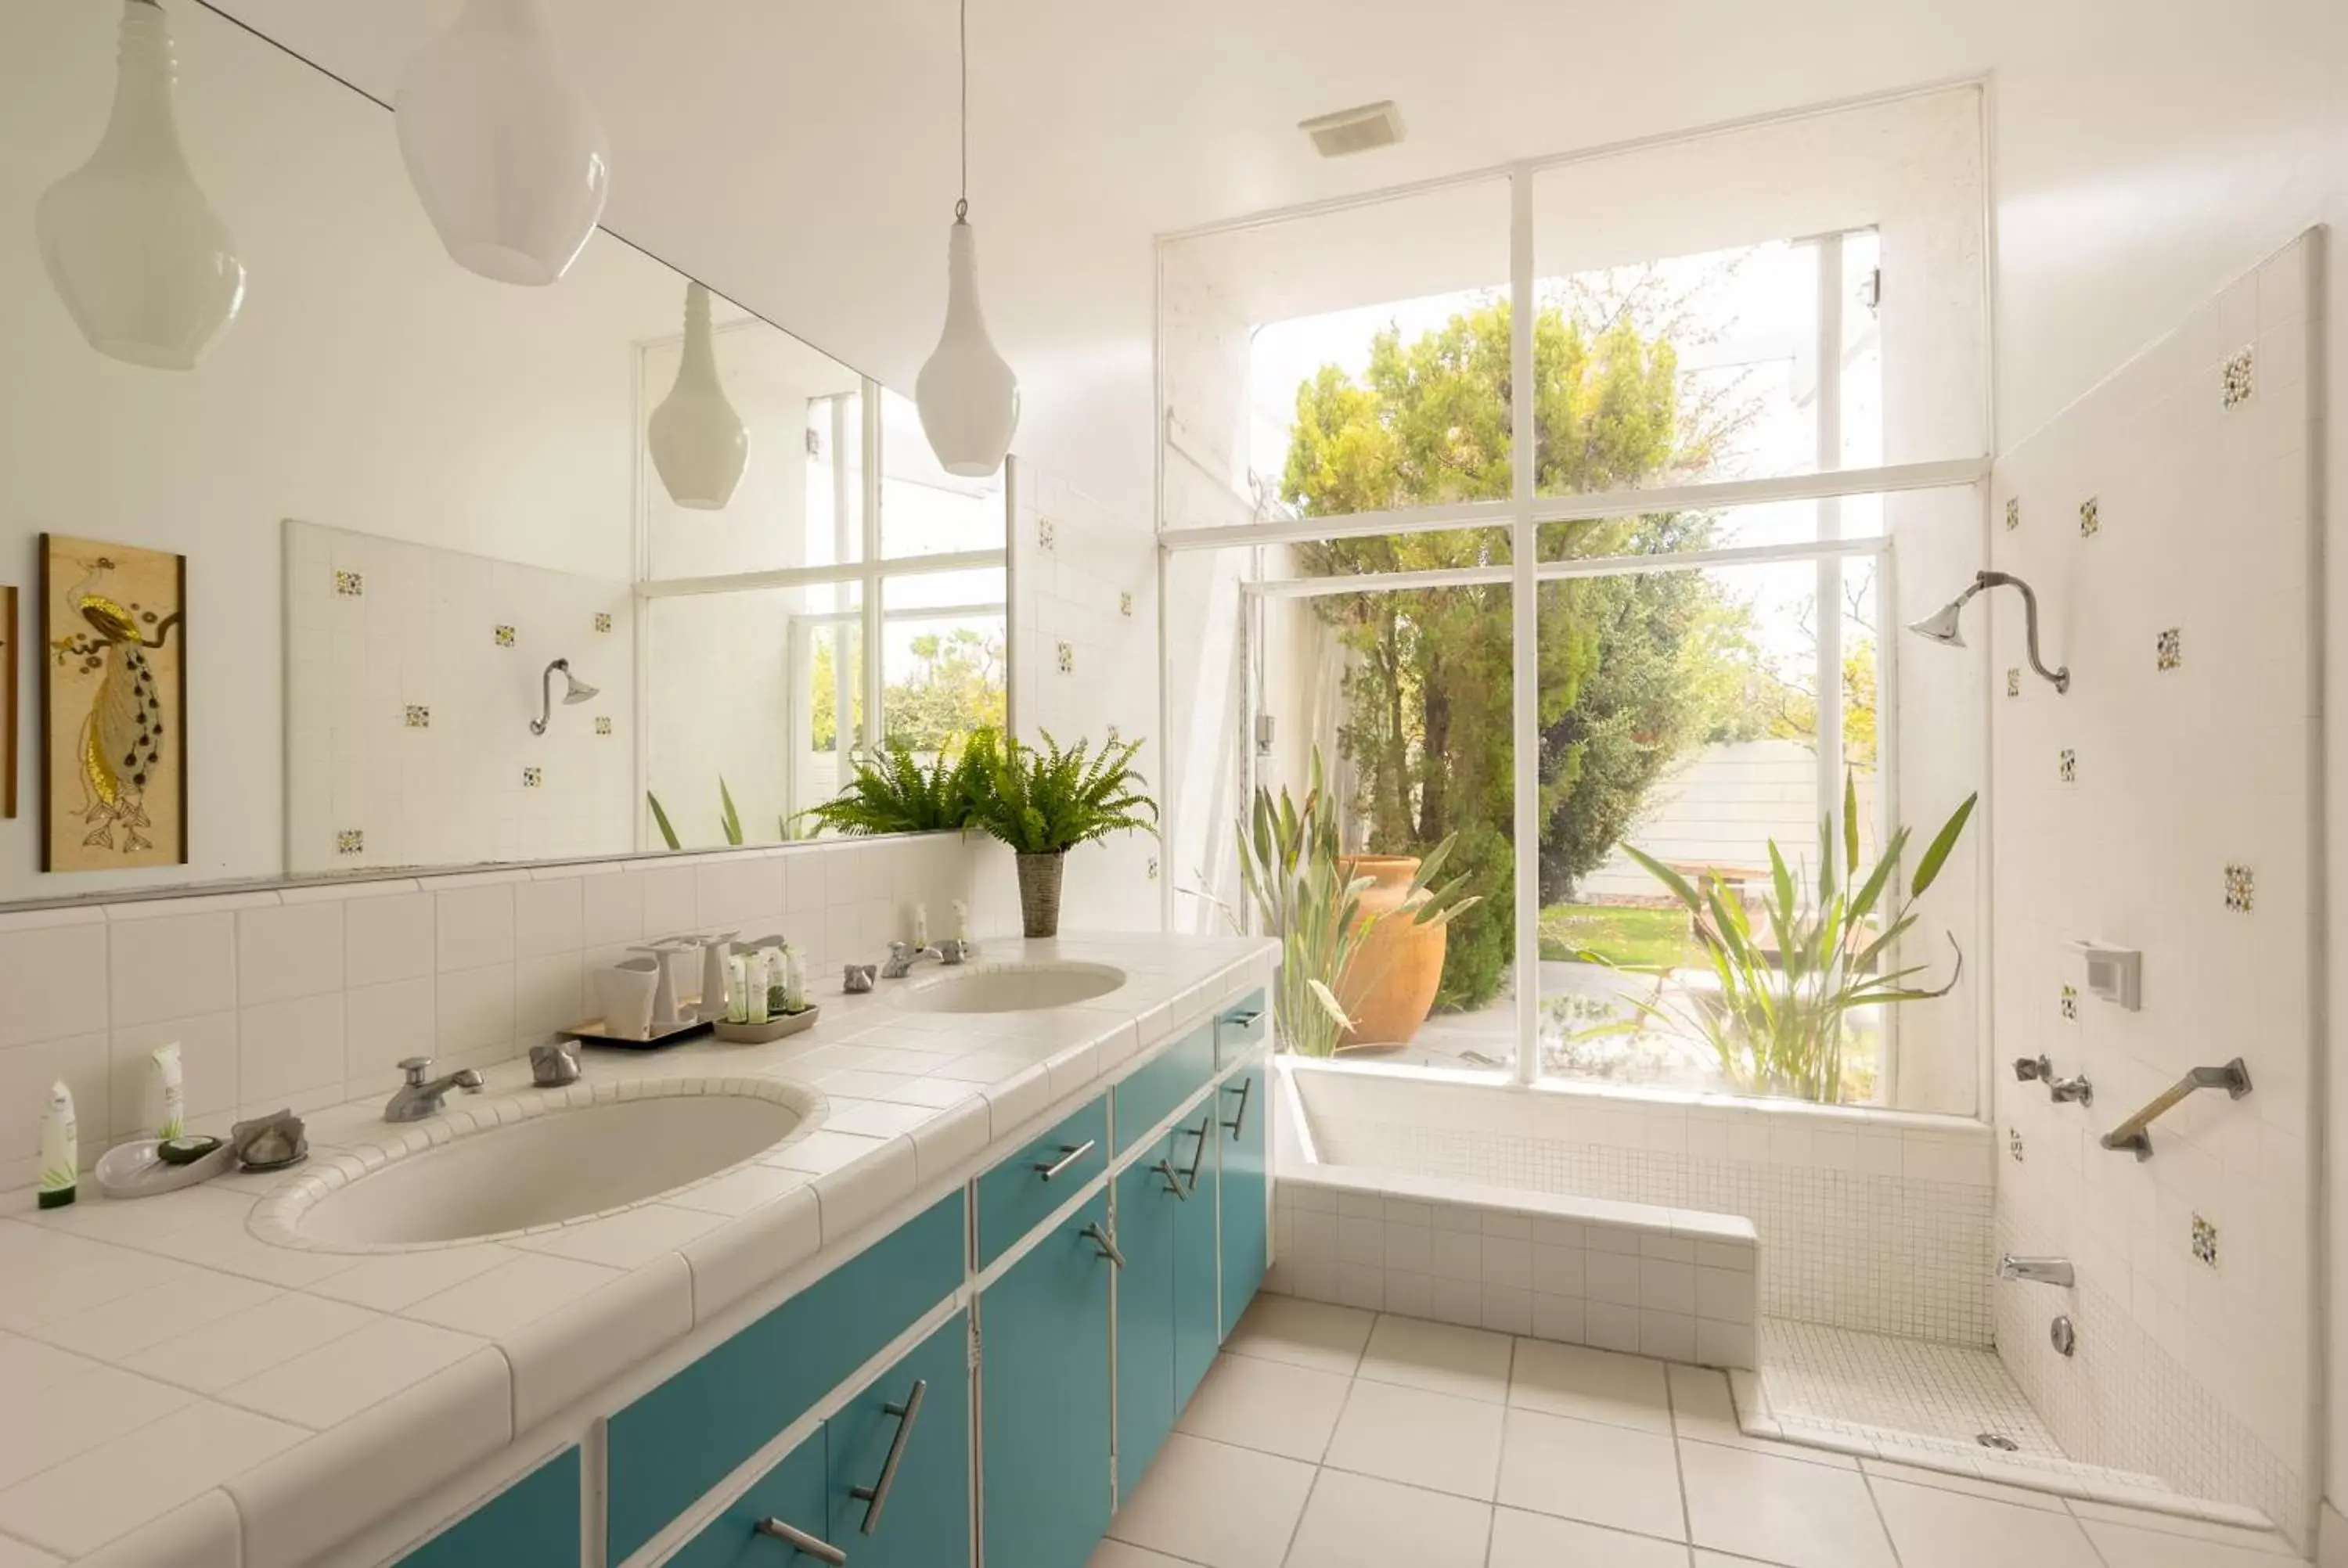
<point x="1637" y="939"/>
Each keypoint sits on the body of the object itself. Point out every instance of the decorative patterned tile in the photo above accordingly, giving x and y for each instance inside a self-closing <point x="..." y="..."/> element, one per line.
<point x="2070" y="1004"/>
<point x="1125" y="604"/>
<point x="351" y="841"/>
<point x="2014" y="511"/>
<point x="505" y="635"/>
<point x="2014" y="1144"/>
<point x="2091" y="520"/>
<point x="1047" y="533"/>
<point x="1068" y="658"/>
<point x="603" y="621"/>
<point x="420" y="717"/>
<point x="532" y="778"/>
<point x="2205" y="1242"/>
<point x="350" y="584"/>
<point x="1153" y="868"/>
<point x="2169" y="648"/>
<point x="2014" y="681"/>
<point x="602" y="725"/>
<point x="2242" y="889"/>
<point x="2238" y="381"/>
<point x="2067" y="765"/>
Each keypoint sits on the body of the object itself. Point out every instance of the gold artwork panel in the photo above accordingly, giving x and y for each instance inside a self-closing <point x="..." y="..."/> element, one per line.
<point x="113" y="757"/>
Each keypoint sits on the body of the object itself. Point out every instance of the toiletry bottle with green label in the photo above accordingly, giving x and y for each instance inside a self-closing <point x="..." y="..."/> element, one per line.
<point x="60" y="1149"/>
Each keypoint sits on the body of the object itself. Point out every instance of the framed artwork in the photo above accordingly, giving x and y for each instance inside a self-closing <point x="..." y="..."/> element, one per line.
<point x="114" y="742"/>
<point x="7" y="700"/>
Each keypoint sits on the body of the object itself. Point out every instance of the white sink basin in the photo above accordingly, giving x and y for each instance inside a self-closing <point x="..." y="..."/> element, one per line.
<point x="1012" y="987"/>
<point x="569" y="1162"/>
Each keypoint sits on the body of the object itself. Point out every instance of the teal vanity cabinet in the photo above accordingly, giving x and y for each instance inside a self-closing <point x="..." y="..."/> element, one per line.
<point x="1152" y="1194"/>
<point x="885" y="1484"/>
<point x="1044" y="1370"/>
<point x="533" y="1523"/>
<point x="1195" y="1305"/>
<point x="1242" y="1121"/>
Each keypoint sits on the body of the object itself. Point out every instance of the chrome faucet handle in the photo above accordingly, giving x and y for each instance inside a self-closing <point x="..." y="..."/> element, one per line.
<point x="416" y="1067"/>
<point x="553" y="1063"/>
<point x="953" y="950"/>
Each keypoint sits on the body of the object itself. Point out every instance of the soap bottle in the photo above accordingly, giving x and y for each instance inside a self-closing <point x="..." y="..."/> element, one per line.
<point x="60" y="1149"/>
<point x="754" y="986"/>
<point x="737" y="989"/>
<point x="793" y="979"/>
<point x="169" y="1091"/>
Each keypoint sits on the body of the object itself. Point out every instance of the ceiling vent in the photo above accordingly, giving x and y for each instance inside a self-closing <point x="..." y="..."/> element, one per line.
<point x="1354" y="130"/>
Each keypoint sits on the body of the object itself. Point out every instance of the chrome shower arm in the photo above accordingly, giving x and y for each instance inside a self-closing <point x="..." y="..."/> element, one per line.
<point x="546" y="696"/>
<point x="2059" y="679"/>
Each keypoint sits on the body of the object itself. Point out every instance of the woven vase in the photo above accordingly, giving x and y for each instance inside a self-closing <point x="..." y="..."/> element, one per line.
<point x="1039" y="893"/>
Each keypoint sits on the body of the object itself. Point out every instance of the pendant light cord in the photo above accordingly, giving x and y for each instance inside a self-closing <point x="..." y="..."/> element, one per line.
<point x="962" y="206"/>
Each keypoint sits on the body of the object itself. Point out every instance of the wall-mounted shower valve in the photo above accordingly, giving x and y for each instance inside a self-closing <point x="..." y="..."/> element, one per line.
<point x="2031" y="1072"/>
<point x="2063" y="1091"/>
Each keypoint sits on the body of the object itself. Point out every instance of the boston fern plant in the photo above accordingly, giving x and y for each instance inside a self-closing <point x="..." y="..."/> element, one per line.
<point x="1785" y="989"/>
<point x="898" y="793"/>
<point x="1044" y="802"/>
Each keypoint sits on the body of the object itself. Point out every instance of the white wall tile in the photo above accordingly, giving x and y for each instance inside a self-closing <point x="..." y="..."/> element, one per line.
<point x="476" y="1009"/>
<point x="53" y="980"/>
<point x="208" y="1071"/>
<point x="284" y="952"/>
<point x="287" y="1048"/>
<point x="172" y="967"/>
<point x="474" y="926"/>
<point x="383" y="1025"/>
<point x="387" y="939"/>
<point x="549" y="917"/>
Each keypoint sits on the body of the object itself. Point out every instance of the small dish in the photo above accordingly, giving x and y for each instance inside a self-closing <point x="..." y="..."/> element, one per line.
<point x="774" y="1029"/>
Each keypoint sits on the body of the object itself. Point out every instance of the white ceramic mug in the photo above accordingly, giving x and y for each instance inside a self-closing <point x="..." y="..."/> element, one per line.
<point x="624" y="992"/>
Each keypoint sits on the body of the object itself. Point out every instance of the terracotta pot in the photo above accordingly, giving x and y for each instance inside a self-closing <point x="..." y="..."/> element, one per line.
<point x="1389" y="988"/>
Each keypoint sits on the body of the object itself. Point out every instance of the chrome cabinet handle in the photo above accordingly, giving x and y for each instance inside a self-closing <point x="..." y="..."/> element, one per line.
<point x="1069" y="1154"/>
<point x="876" y="1497"/>
<point x="1173" y="1179"/>
<point x="1198" y="1158"/>
<point x="1244" y="1019"/>
<point x="1247" y="1088"/>
<point x="798" y="1540"/>
<point x="1100" y="1239"/>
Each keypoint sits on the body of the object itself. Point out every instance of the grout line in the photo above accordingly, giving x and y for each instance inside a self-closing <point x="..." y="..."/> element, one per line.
<point x="1876" y="1504"/>
<point x="1679" y="1469"/>
<point x="1297" y="1528"/>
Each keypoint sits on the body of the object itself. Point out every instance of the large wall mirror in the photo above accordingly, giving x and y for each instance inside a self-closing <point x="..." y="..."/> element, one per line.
<point x="413" y="568"/>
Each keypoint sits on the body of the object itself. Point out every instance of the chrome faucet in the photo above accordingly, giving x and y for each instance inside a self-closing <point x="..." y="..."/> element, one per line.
<point x="2037" y="1270"/>
<point x="420" y="1097"/>
<point x="554" y="1062"/>
<point x="903" y="957"/>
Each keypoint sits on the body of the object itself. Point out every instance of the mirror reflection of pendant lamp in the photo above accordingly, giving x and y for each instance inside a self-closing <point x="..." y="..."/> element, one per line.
<point x="147" y="269"/>
<point x="967" y="396"/>
<point x="699" y="444"/>
<point x="502" y="146"/>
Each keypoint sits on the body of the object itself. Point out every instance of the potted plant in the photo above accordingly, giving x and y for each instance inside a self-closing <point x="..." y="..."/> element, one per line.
<point x="1307" y="898"/>
<point x="1776" y="1000"/>
<point x="896" y="793"/>
<point x="1044" y="802"/>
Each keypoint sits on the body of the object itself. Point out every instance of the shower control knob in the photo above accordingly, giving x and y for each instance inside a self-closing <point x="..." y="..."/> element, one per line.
<point x="2034" y="1069"/>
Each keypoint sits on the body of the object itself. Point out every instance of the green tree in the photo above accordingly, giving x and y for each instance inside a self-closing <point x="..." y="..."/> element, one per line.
<point x="1628" y="665"/>
<point x="954" y="688"/>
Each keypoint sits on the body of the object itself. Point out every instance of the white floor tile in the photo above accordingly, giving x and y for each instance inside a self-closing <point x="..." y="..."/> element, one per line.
<point x="1935" y="1529"/>
<point x="16" y="1554"/>
<point x="1302" y="1333"/>
<point x="1471" y="1363"/>
<point x="1521" y="1539"/>
<point x="2142" y="1548"/>
<point x="1270" y="1406"/>
<point x="1600" y="1474"/>
<point x="1216" y="1505"/>
<point x="1354" y="1520"/>
<point x="1111" y="1554"/>
<point x="1781" y="1510"/>
<point x="1420" y="1439"/>
<point x="1591" y="1385"/>
<point x="1971" y="1485"/>
<point x="2265" y="1541"/>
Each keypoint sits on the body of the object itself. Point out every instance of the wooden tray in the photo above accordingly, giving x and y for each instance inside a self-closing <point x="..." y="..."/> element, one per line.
<point x="774" y="1029"/>
<point x="591" y="1033"/>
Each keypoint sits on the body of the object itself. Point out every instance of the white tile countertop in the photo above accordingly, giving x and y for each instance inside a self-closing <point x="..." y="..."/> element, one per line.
<point x="183" y="1388"/>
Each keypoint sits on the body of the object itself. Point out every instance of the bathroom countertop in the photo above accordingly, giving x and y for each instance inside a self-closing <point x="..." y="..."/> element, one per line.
<point x="191" y="1392"/>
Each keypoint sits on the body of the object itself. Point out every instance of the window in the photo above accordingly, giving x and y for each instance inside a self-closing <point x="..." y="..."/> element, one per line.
<point x="1654" y="629"/>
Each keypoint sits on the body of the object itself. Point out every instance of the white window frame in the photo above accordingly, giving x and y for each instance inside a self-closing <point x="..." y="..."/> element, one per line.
<point x="1526" y="510"/>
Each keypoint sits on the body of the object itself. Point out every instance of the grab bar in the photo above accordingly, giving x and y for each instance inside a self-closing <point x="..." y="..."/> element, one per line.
<point x="2234" y="1077"/>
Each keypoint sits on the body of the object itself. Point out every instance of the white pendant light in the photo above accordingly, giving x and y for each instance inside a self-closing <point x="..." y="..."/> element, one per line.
<point x="699" y="444"/>
<point x="968" y="397"/>
<point x="502" y="146"/>
<point x="148" y="270"/>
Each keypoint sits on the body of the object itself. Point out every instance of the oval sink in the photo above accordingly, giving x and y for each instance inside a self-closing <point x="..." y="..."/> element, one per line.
<point x="569" y="1161"/>
<point x="1012" y="987"/>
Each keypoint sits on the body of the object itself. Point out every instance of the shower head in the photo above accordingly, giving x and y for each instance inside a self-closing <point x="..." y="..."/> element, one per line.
<point x="1941" y="626"/>
<point x="574" y="690"/>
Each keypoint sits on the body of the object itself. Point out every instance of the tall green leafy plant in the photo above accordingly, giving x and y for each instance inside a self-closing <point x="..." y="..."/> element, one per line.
<point x="1288" y="864"/>
<point x="1779" y="1021"/>
<point x="897" y="792"/>
<point x="1047" y="800"/>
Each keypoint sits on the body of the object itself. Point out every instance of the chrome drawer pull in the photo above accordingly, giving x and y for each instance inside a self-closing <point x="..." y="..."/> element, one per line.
<point x="876" y="1497"/>
<point x="1244" y="1019"/>
<point x="1247" y="1088"/>
<point x="1100" y="1239"/>
<point x="1198" y="1158"/>
<point x="798" y="1540"/>
<point x="1173" y="1179"/>
<point x="1069" y="1154"/>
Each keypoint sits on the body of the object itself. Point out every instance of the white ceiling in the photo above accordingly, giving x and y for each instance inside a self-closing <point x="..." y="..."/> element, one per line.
<point x="799" y="156"/>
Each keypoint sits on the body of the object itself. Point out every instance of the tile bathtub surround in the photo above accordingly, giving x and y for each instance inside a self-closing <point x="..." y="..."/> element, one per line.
<point x="2190" y="837"/>
<point x="193" y="1358"/>
<point x="1675" y="1285"/>
<point x="1876" y="1221"/>
<point x="311" y="996"/>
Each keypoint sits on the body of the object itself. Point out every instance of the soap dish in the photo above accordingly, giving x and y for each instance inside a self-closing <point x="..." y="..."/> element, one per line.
<point x="136" y="1171"/>
<point x="774" y="1029"/>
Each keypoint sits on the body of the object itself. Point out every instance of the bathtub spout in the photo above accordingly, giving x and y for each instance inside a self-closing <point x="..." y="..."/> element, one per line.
<point x="2039" y="1270"/>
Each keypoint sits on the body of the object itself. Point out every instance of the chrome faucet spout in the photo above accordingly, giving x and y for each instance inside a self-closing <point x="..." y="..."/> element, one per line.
<point x="2056" y="1271"/>
<point x="420" y="1097"/>
<point x="902" y="958"/>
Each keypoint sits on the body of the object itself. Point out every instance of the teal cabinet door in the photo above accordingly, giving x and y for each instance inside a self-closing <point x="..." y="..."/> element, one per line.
<point x="1044" y="1382"/>
<point x="760" y="1528"/>
<point x="898" y="1459"/>
<point x="1197" y="1288"/>
<point x="1152" y="1198"/>
<point x="1241" y="1120"/>
<point x="533" y="1523"/>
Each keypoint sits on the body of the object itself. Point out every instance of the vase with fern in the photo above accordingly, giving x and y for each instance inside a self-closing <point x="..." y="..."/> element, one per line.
<point x="1044" y="801"/>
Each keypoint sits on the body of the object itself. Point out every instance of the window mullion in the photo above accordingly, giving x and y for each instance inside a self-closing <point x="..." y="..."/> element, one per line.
<point x="1525" y="641"/>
